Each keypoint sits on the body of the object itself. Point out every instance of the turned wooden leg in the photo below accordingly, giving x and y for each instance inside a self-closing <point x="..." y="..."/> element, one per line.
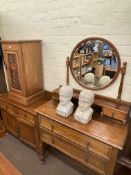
<point x="43" y="151"/>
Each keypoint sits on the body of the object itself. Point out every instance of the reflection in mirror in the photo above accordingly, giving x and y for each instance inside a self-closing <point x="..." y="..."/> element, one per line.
<point x="95" y="63"/>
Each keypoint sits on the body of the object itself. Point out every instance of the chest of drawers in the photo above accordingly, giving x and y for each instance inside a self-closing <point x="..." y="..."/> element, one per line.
<point x="20" y="120"/>
<point x="94" y="145"/>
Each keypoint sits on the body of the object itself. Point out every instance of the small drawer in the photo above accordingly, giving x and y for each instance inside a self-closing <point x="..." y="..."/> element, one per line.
<point x="91" y="161"/>
<point x="88" y="143"/>
<point x="17" y="112"/>
<point x="10" y="46"/>
<point x="119" y="115"/>
<point x="47" y="123"/>
<point x="3" y="105"/>
<point x="21" y="113"/>
<point x="26" y="116"/>
<point x="12" y="110"/>
<point x="29" y="117"/>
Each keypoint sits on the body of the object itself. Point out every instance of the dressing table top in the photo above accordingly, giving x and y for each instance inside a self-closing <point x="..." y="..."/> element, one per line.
<point x="99" y="128"/>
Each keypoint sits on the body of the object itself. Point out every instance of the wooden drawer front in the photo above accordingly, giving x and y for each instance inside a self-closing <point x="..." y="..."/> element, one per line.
<point x="29" y="117"/>
<point x="95" y="163"/>
<point x="26" y="116"/>
<point x="3" y="104"/>
<point x="21" y="113"/>
<point x="82" y="140"/>
<point x="12" y="110"/>
<point x="10" y="46"/>
<point x="17" y="112"/>
<point x="114" y="113"/>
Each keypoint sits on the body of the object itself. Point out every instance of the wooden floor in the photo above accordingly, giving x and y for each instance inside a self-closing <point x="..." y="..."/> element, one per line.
<point x="6" y="168"/>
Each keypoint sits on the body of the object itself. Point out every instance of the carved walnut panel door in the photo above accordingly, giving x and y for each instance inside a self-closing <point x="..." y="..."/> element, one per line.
<point x="14" y="71"/>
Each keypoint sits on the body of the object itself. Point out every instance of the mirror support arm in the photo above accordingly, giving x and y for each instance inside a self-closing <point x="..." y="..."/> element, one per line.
<point x="68" y="65"/>
<point x="123" y="71"/>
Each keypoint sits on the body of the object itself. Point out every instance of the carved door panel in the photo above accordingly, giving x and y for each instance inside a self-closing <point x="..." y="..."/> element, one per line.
<point x="12" y="124"/>
<point x="27" y="132"/>
<point x="13" y="71"/>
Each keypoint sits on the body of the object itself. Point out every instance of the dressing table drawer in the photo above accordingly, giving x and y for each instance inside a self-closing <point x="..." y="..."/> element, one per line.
<point x="92" y="161"/>
<point x="91" y="145"/>
<point x="120" y="115"/>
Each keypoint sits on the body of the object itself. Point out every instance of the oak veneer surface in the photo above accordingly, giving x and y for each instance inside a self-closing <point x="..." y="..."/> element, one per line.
<point x="6" y="168"/>
<point x="99" y="128"/>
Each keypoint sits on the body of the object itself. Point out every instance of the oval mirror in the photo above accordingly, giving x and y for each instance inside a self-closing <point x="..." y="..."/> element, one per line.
<point x="95" y="63"/>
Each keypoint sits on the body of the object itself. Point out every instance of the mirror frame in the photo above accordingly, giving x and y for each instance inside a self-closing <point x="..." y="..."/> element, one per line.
<point x="117" y="56"/>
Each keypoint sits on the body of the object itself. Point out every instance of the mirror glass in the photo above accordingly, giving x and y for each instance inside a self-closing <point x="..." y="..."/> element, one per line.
<point x="95" y="63"/>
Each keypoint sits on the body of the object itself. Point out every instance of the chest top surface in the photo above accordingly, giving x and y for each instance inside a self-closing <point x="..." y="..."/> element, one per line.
<point x="99" y="128"/>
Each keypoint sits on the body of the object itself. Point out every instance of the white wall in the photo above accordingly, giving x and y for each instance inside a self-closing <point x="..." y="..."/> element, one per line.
<point x="61" y="24"/>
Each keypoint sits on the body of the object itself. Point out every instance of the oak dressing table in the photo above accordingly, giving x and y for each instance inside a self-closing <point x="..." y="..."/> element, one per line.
<point x="95" y="145"/>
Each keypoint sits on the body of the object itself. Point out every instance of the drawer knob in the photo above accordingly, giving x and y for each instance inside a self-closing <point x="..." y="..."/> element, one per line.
<point x="113" y="114"/>
<point x="87" y="145"/>
<point x="86" y="158"/>
<point x="53" y="141"/>
<point x="52" y="127"/>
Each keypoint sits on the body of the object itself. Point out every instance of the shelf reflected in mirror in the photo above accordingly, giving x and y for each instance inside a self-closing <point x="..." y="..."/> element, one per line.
<point x="95" y="63"/>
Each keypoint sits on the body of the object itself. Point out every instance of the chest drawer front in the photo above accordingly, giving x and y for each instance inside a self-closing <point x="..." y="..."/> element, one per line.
<point x="21" y="113"/>
<point x="90" y="144"/>
<point x="75" y="152"/>
<point x="17" y="112"/>
<point x="114" y="114"/>
<point x="10" y="46"/>
<point x="12" y="110"/>
<point x="3" y="104"/>
<point x="29" y="117"/>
